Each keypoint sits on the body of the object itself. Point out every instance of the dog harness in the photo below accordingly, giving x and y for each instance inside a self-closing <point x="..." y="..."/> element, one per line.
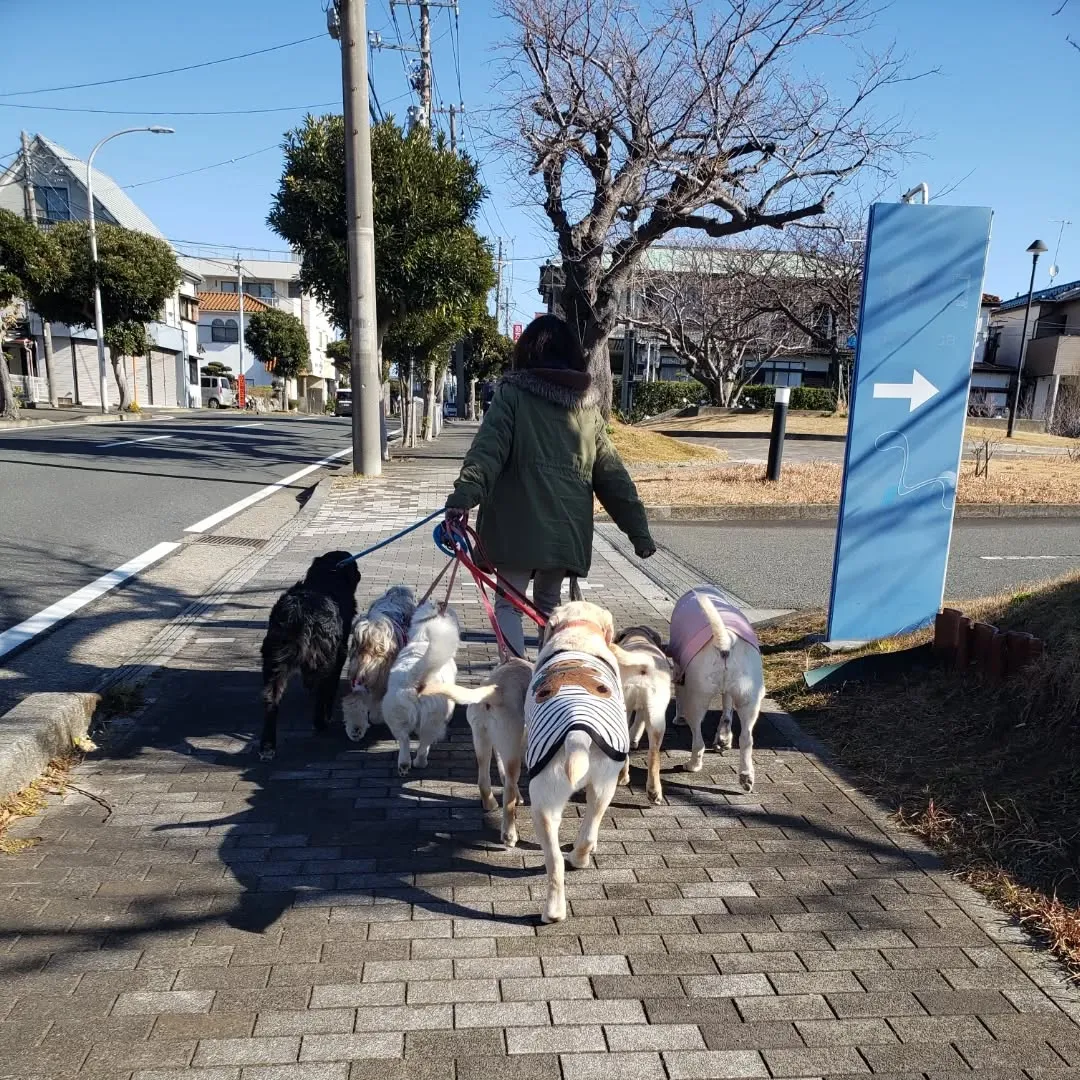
<point x="690" y="628"/>
<point x="574" y="691"/>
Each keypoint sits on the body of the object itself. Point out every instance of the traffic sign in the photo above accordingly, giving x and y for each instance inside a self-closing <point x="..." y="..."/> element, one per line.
<point x="852" y="340"/>
<point x="922" y="284"/>
<point x="517" y="330"/>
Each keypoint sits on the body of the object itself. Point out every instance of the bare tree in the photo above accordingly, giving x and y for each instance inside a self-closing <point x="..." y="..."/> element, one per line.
<point x="712" y="309"/>
<point x="640" y="120"/>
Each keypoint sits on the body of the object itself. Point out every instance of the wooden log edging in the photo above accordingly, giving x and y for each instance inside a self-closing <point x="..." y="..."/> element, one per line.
<point x="960" y="643"/>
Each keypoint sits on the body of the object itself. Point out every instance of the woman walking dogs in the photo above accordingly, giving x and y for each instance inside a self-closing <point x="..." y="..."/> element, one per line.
<point x="541" y="454"/>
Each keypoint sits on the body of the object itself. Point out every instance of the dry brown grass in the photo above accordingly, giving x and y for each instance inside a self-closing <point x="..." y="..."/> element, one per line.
<point x="639" y="446"/>
<point x="1042" y="480"/>
<point x="989" y="775"/>
<point x="31" y="800"/>
<point x="801" y="422"/>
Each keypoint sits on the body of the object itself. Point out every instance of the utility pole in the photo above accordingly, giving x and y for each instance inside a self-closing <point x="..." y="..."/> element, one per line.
<point x="240" y="303"/>
<point x="425" y="62"/>
<point x="349" y="21"/>
<point x="498" y="284"/>
<point x="30" y="211"/>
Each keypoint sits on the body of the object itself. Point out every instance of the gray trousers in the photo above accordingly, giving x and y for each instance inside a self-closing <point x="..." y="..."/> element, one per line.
<point x="547" y="587"/>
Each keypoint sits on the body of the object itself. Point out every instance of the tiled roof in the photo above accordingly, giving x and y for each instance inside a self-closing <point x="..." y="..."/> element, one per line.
<point x="230" y="301"/>
<point x="1056" y="292"/>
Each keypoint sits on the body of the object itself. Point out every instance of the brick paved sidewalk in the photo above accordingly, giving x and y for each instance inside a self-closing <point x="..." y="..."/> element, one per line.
<point x="320" y="919"/>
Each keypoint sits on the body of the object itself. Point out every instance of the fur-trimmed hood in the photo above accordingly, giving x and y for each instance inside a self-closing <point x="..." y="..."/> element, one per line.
<point x="570" y="389"/>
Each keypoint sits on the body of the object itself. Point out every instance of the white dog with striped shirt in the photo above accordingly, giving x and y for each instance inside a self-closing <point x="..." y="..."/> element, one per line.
<point x="575" y="720"/>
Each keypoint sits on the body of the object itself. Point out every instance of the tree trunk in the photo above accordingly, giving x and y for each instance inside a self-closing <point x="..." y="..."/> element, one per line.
<point x="120" y="372"/>
<point x="409" y="404"/>
<point x="472" y="399"/>
<point x="50" y="374"/>
<point x="593" y="317"/>
<point x="429" y="401"/>
<point x="9" y="407"/>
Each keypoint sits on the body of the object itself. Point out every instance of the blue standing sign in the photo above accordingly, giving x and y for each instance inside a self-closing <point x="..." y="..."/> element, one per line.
<point x="922" y="285"/>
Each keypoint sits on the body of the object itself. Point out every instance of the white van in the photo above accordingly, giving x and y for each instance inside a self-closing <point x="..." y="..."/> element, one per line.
<point x="217" y="392"/>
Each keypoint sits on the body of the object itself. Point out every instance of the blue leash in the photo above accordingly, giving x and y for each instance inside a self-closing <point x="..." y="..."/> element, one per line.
<point x="390" y="539"/>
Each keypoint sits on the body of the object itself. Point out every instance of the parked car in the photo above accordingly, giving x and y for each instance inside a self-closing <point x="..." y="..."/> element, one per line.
<point x="343" y="403"/>
<point x="217" y="392"/>
<point x="449" y="410"/>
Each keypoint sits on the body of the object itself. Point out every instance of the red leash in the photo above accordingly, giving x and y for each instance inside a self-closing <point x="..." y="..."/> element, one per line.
<point x="465" y="541"/>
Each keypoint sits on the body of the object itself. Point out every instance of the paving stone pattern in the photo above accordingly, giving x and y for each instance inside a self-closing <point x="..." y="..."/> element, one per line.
<point x="319" y="918"/>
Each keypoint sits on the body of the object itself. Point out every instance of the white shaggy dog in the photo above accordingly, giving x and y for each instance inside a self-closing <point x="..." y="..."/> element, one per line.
<point x="645" y="670"/>
<point x="375" y="641"/>
<point x="428" y="656"/>
<point x="717" y="652"/>
<point x="496" y="714"/>
<point x="577" y="736"/>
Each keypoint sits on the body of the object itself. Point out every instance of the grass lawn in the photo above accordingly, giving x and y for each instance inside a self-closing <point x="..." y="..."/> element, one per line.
<point x="988" y="775"/>
<point x="804" y="422"/>
<point x="1030" y="479"/>
<point x="639" y="446"/>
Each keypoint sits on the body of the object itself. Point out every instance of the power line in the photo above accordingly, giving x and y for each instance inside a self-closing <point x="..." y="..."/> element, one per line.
<point x="167" y="71"/>
<point x="166" y="112"/>
<point x="204" y="168"/>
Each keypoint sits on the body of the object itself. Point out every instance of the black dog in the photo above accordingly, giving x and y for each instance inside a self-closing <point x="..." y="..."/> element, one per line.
<point x="309" y="633"/>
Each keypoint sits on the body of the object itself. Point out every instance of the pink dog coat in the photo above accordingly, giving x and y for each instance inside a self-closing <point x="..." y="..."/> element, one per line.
<point x="690" y="629"/>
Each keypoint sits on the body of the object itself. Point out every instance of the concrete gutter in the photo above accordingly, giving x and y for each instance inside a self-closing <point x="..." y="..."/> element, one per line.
<point x="38" y="729"/>
<point x="828" y="512"/>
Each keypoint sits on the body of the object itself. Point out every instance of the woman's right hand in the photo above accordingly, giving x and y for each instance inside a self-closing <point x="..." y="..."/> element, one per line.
<point x="456" y="516"/>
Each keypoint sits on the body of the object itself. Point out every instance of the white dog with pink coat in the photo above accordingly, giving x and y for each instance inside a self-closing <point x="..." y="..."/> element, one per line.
<point x="717" y="653"/>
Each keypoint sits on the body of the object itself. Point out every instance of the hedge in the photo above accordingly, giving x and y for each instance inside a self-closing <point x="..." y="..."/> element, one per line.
<point x="653" y="398"/>
<point x="815" y="398"/>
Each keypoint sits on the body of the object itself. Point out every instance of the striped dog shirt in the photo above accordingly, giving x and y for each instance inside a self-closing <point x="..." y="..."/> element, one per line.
<point x="574" y="691"/>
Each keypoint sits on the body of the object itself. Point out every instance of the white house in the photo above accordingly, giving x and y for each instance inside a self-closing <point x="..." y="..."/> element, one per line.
<point x="59" y="180"/>
<point x="272" y="283"/>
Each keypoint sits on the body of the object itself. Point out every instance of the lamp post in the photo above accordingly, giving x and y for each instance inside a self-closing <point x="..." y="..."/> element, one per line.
<point x="1034" y="249"/>
<point x="99" y="321"/>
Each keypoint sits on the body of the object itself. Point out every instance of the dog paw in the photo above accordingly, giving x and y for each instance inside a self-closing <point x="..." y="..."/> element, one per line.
<point x="553" y="913"/>
<point x="510" y="838"/>
<point x="404" y="768"/>
<point x="624" y="778"/>
<point x="694" y="762"/>
<point x="266" y="753"/>
<point x="489" y="802"/>
<point x="579" y="860"/>
<point x="747" y="782"/>
<point x="656" y="797"/>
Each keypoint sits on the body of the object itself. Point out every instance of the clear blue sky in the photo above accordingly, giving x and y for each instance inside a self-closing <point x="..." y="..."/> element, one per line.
<point x="998" y="110"/>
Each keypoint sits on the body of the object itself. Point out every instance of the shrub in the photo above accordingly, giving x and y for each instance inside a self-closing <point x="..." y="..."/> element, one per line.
<point x="133" y="407"/>
<point x="815" y="398"/>
<point x="649" y="399"/>
<point x="294" y="404"/>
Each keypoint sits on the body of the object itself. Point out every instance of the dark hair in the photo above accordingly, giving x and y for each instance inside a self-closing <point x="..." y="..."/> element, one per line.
<point x="548" y="342"/>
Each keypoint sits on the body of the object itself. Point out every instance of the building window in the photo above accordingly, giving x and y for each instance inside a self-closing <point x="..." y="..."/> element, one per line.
<point x="54" y="203"/>
<point x="189" y="308"/>
<point x="294" y="289"/>
<point x="225" y="331"/>
<point x="264" y="290"/>
<point x="227" y="286"/>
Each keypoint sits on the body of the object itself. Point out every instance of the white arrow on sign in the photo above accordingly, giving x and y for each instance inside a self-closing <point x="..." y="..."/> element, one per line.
<point x="919" y="391"/>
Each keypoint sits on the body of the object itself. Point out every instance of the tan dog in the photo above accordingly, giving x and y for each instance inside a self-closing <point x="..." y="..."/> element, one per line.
<point x="645" y="670"/>
<point x="496" y="714"/>
<point x="577" y="736"/>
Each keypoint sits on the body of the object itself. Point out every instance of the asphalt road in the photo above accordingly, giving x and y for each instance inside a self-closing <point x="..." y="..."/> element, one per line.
<point x="78" y="502"/>
<point x="789" y="565"/>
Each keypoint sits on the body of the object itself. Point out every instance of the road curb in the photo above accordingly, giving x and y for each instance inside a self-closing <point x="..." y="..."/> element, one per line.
<point x="701" y="433"/>
<point x="38" y="729"/>
<point x="828" y="512"/>
<point x="108" y="418"/>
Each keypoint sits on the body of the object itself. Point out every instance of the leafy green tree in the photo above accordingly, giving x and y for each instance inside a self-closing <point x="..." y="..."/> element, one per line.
<point x="428" y="255"/>
<point x="279" y="340"/>
<point x="53" y="272"/>
<point x="340" y="355"/>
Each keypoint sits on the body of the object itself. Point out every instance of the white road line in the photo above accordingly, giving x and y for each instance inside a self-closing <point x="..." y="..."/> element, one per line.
<point x="129" y="442"/>
<point x="254" y="423"/>
<point x="54" y="613"/>
<point x="213" y="641"/>
<point x="1024" y="558"/>
<point x="262" y="493"/>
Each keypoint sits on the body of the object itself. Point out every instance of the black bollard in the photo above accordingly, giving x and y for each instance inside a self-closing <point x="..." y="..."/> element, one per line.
<point x="776" y="439"/>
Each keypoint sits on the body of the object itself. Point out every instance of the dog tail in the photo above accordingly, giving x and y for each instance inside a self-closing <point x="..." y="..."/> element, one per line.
<point x="722" y="636"/>
<point x="465" y="695"/>
<point x="577" y="746"/>
<point x="442" y="646"/>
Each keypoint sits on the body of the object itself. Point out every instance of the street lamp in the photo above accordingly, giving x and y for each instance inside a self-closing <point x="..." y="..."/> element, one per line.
<point x="99" y="322"/>
<point x="1035" y="249"/>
